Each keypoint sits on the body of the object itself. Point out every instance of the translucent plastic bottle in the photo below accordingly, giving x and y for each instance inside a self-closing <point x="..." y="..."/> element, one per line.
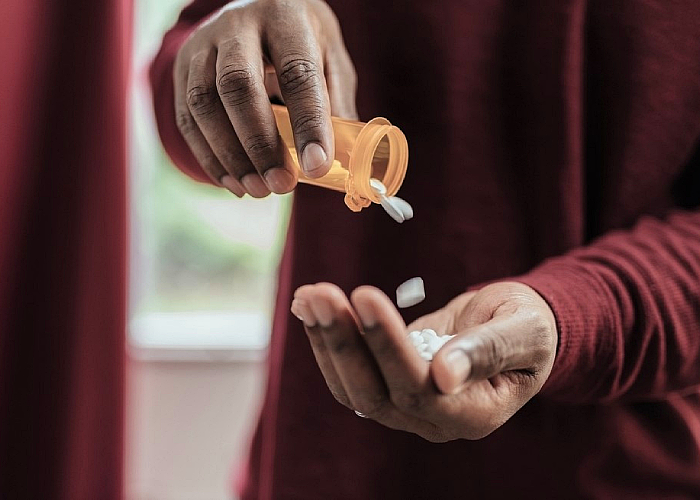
<point x="376" y="149"/>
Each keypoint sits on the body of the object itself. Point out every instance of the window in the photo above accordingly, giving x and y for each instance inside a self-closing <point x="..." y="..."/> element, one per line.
<point x="202" y="276"/>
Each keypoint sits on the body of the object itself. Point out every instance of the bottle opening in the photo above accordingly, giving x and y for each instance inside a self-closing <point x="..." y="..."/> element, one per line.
<point x="379" y="152"/>
<point x="380" y="160"/>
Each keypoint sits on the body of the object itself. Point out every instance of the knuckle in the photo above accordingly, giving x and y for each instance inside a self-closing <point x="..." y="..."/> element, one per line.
<point x="491" y="353"/>
<point x="236" y="85"/>
<point x="408" y="401"/>
<point x="184" y="121"/>
<point x="494" y="353"/>
<point x="201" y="99"/>
<point x="308" y="120"/>
<point x="373" y="407"/>
<point x="259" y="144"/>
<point x="338" y="346"/>
<point x="278" y="10"/>
<point x="298" y="75"/>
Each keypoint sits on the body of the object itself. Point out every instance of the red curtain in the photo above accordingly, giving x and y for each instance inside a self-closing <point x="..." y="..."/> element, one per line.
<point x="63" y="79"/>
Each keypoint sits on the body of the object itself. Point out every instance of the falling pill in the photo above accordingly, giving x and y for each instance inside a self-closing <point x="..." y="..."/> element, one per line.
<point x="403" y="206"/>
<point x="397" y="208"/>
<point x="410" y="293"/>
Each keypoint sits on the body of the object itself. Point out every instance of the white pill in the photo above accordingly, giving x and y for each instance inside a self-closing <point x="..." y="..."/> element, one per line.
<point x="426" y="356"/>
<point x="422" y="347"/>
<point x="435" y="344"/>
<point x="428" y="331"/>
<point x="403" y="206"/>
<point x="428" y="335"/>
<point x="410" y="293"/>
<point x="377" y="186"/>
<point x="390" y="207"/>
<point x="399" y="209"/>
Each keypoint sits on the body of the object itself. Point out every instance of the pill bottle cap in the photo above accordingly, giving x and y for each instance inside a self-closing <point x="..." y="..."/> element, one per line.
<point x="380" y="151"/>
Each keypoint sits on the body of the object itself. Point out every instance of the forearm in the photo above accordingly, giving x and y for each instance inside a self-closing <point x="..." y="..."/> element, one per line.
<point x="628" y="312"/>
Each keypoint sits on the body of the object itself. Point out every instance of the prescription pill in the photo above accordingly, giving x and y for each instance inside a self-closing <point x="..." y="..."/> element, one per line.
<point x="426" y="356"/>
<point x="377" y="186"/>
<point x="415" y="337"/>
<point x="391" y="208"/>
<point x="410" y="293"/>
<point x="399" y="209"/>
<point x="403" y="206"/>
<point x="435" y="344"/>
<point x="428" y="336"/>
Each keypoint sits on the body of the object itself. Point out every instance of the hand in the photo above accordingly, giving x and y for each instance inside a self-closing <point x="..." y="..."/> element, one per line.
<point x="503" y="352"/>
<point x="222" y="100"/>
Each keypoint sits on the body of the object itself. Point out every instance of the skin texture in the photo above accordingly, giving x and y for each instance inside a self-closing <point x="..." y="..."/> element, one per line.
<point x="226" y="72"/>
<point x="503" y="352"/>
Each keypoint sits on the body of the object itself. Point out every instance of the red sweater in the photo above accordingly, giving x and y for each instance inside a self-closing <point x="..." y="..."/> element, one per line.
<point x="552" y="141"/>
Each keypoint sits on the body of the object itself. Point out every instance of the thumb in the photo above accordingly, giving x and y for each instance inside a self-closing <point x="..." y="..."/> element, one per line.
<point x="482" y="352"/>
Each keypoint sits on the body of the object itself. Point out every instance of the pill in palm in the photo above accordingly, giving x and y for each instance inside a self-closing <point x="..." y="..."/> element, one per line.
<point x="430" y="342"/>
<point x="410" y="293"/>
<point x="418" y="340"/>
<point x="435" y="344"/>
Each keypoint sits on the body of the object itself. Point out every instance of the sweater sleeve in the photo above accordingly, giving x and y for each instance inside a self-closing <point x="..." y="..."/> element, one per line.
<point x="628" y="312"/>
<point x="161" y="78"/>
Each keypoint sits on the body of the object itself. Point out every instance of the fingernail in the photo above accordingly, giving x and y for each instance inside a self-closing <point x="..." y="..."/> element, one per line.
<point x="313" y="158"/>
<point x="366" y="314"/>
<point x="301" y="311"/>
<point x="279" y="180"/>
<point x="233" y="185"/>
<point x="254" y="184"/>
<point x="323" y="312"/>
<point x="459" y="364"/>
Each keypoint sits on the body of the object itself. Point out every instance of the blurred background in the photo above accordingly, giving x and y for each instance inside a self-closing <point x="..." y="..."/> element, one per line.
<point x="202" y="291"/>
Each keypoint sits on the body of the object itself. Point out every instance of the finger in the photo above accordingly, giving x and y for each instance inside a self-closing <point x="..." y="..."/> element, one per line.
<point x="302" y="310"/>
<point x="207" y="110"/>
<point x="404" y="372"/>
<point x="501" y="344"/>
<point x="341" y="81"/>
<point x="195" y="139"/>
<point x="272" y="86"/>
<point x="348" y="353"/>
<point x="297" y="58"/>
<point x="241" y="88"/>
<point x="353" y="361"/>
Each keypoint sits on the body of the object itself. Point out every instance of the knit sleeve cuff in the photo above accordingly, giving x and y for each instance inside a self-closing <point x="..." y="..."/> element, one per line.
<point x="584" y="310"/>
